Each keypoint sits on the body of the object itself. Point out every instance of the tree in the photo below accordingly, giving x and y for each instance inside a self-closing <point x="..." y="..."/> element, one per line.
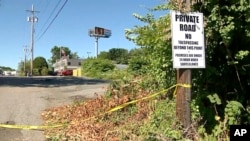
<point x="136" y="63"/>
<point x="44" y="71"/>
<point x="154" y="39"/>
<point x="40" y="63"/>
<point x="58" y="52"/>
<point x="94" y="67"/>
<point x="119" y="55"/>
<point x="74" y="55"/>
<point x="20" y="66"/>
<point x="6" y="68"/>
<point x="136" y="52"/>
<point x="227" y="28"/>
<point x="104" y="55"/>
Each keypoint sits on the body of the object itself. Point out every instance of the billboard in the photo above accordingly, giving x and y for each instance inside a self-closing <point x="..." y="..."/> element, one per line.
<point x="100" y="32"/>
<point x="107" y="33"/>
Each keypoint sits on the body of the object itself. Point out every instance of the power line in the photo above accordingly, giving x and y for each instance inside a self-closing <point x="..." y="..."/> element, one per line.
<point x="53" y="19"/>
<point x="52" y="13"/>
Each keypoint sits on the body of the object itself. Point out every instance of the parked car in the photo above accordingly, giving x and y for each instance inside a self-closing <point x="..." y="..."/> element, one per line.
<point x="52" y="73"/>
<point x="67" y="72"/>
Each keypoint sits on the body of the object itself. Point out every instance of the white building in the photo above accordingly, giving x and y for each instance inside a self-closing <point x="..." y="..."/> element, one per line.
<point x="67" y="64"/>
<point x="10" y="73"/>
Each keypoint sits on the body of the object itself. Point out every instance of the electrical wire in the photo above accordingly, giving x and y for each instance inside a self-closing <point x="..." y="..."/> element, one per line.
<point x="53" y="20"/>
<point x="52" y="13"/>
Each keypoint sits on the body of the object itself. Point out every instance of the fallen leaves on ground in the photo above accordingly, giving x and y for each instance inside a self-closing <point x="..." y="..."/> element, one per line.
<point x="89" y="120"/>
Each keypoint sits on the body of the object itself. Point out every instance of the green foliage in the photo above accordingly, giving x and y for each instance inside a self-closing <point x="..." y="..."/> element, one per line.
<point x="162" y="124"/>
<point x="154" y="39"/>
<point x="103" y="55"/>
<point x="21" y="69"/>
<point x="220" y="92"/>
<point x="116" y="74"/>
<point x="242" y="54"/>
<point x="57" y="53"/>
<point x="219" y="123"/>
<point x="214" y="99"/>
<point x="247" y="115"/>
<point x="6" y="68"/>
<point x="227" y="59"/>
<point x="93" y="67"/>
<point x="136" y="52"/>
<point x="119" y="55"/>
<point x="211" y="125"/>
<point x="74" y="55"/>
<point x="233" y="111"/>
<point x="38" y="64"/>
<point x="44" y="71"/>
<point x="137" y="65"/>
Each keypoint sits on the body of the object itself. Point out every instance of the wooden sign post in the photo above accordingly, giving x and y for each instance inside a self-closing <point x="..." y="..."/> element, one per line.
<point x="188" y="52"/>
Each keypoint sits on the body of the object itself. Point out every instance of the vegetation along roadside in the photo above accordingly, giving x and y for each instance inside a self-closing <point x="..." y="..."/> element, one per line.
<point x="220" y="93"/>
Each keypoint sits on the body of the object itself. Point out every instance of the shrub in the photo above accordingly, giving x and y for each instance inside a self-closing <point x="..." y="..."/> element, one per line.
<point x="36" y="72"/>
<point x="45" y="71"/>
<point x="137" y="65"/>
<point x="95" y="67"/>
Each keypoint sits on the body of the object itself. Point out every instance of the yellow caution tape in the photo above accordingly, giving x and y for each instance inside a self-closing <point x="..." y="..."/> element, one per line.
<point x="180" y="85"/>
<point x="148" y="97"/>
<point x="31" y="127"/>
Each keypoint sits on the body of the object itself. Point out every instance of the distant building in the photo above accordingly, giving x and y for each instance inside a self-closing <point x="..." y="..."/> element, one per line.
<point x="9" y="73"/>
<point x="1" y="72"/>
<point x="67" y="64"/>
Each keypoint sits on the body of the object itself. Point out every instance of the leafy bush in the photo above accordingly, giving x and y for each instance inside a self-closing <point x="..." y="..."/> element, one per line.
<point x="154" y="38"/>
<point x="36" y="72"/>
<point x="39" y="64"/>
<point x="45" y="71"/>
<point x="220" y="92"/>
<point x="137" y="65"/>
<point x="93" y="67"/>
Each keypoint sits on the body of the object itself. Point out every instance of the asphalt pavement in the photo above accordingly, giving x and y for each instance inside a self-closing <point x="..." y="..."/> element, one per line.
<point x="22" y="100"/>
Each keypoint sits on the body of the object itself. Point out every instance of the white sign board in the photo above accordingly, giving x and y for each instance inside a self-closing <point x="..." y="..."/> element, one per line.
<point x="188" y="48"/>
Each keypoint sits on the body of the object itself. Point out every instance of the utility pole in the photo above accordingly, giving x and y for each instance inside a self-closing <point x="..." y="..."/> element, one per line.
<point x="88" y="54"/>
<point x="32" y="19"/>
<point x="183" y="94"/>
<point x="25" y="55"/>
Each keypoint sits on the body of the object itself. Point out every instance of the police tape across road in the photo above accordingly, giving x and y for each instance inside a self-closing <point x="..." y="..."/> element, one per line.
<point x="33" y="127"/>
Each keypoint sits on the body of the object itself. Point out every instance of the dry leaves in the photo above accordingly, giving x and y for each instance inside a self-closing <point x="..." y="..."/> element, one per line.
<point x="89" y="120"/>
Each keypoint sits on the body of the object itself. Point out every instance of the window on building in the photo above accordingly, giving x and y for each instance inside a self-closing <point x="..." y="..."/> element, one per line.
<point x="79" y="63"/>
<point x="69" y="63"/>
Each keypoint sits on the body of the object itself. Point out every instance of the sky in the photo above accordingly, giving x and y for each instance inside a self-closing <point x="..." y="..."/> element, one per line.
<point x="69" y="28"/>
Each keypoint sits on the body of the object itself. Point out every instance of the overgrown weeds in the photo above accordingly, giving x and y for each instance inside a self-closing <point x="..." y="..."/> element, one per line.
<point x="97" y="119"/>
<point x="122" y="115"/>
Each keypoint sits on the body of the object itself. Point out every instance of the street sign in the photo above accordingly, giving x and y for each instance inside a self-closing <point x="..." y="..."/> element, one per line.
<point x="188" y="49"/>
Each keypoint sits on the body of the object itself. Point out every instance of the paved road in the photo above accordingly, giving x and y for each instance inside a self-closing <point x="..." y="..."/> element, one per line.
<point x="22" y="99"/>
